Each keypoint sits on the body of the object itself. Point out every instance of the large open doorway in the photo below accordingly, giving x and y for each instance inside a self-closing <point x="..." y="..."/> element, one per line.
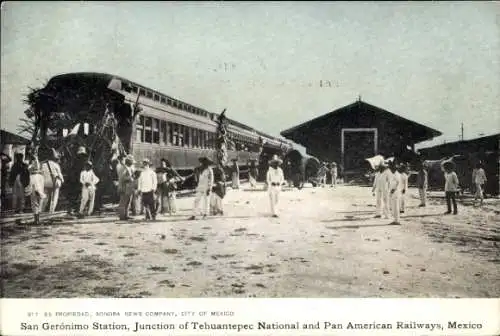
<point x="357" y="145"/>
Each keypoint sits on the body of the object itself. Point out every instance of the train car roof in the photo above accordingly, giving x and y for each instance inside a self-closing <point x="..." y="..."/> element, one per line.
<point x="102" y="80"/>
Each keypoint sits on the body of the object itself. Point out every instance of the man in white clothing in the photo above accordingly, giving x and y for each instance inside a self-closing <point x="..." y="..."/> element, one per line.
<point x="204" y="188"/>
<point x="404" y="186"/>
<point x="381" y="190"/>
<point x="275" y="179"/>
<point x="395" y="187"/>
<point x="479" y="179"/>
<point x="54" y="179"/>
<point x="88" y="180"/>
<point x="147" y="185"/>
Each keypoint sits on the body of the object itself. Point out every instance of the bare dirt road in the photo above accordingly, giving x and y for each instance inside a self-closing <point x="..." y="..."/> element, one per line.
<point x="326" y="243"/>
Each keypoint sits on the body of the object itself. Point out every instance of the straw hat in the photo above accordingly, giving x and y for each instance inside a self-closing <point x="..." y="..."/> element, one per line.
<point x="276" y="159"/>
<point x="204" y="159"/>
<point x="146" y="161"/>
<point x="129" y="157"/>
<point x="81" y="150"/>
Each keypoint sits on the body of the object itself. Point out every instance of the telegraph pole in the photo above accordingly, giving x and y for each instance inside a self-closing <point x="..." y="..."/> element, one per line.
<point x="462" y="131"/>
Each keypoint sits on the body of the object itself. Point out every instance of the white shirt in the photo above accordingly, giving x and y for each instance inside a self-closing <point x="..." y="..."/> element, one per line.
<point x="49" y="177"/>
<point x="395" y="182"/>
<point x="451" y="181"/>
<point x="88" y="176"/>
<point x="382" y="180"/>
<point x="480" y="176"/>
<point x="275" y="176"/>
<point x="333" y="171"/>
<point x="206" y="180"/>
<point x="147" y="181"/>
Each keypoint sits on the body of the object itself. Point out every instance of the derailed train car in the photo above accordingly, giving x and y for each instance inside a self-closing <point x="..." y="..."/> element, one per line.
<point x="146" y="122"/>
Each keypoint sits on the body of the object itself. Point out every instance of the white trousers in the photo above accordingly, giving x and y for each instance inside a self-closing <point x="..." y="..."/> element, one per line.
<point x="386" y="203"/>
<point x="334" y="180"/>
<point x="274" y="193"/>
<point x="382" y="207"/>
<point x="88" y="196"/>
<point x="53" y="194"/>
<point x="402" y="202"/>
<point x="395" y="202"/>
<point x="201" y="196"/>
<point x="479" y="191"/>
<point x="253" y="182"/>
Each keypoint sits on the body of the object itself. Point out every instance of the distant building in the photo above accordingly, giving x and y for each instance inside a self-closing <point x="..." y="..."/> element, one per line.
<point x="357" y="131"/>
<point x="11" y="143"/>
<point x="467" y="153"/>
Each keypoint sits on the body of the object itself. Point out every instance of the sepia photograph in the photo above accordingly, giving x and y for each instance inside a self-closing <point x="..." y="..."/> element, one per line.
<point x="250" y="149"/>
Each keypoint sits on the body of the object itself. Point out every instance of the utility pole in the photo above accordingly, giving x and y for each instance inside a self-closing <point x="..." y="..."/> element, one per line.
<point x="462" y="131"/>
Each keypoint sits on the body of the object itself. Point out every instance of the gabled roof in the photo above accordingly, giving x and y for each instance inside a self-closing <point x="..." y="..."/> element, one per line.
<point x="425" y="133"/>
<point x="8" y="138"/>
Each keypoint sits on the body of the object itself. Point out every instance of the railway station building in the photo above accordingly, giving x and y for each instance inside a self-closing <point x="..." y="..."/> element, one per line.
<point x="358" y="131"/>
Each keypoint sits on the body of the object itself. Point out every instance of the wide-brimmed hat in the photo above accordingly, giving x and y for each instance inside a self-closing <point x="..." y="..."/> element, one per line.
<point x="81" y="150"/>
<point x="129" y="157"/>
<point x="334" y="164"/>
<point x="276" y="159"/>
<point x="450" y="164"/>
<point x="205" y="159"/>
<point x="89" y="163"/>
<point x="146" y="161"/>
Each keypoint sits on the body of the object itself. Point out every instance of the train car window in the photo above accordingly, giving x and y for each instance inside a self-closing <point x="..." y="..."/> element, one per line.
<point x="134" y="89"/>
<point x="174" y="134"/>
<point x="169" y="102"/>
<point x="187" y="136"/>
<point x="157" y="98"/>
<point x="180" y="136"/>
<point x="139" y="127"/>
<point x="148" y="131"/>
<point x="149" y="94"/>
<point x="142" y="92"/>
<point x="164" y="135"/>
<point x="126" y="87"/>
<point x="162" y="100"/>
<point x="156" y="131"/>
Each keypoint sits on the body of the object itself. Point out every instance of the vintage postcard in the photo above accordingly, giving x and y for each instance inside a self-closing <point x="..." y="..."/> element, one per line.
<point x="255" y="151"/>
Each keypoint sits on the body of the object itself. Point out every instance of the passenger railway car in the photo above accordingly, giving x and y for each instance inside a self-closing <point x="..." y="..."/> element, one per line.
<point x="165" y="127"/>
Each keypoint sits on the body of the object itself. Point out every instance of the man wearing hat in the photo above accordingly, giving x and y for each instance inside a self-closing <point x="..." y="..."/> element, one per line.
<point x="451" y="185"/>
<point x="275" y="179"/>
<point x="147" y="185"/>
<point x="381" y="190"/>
<point x="253" y="172"/>
<point x="395" y="187"/>
<point x="333" y="173"/>
<point x="73" y="181"/>
<point x="19" y="179"/>
<point x="235" y="174"/>
<point x="36" y="185"/>
<point x="126" y="187"/>
<point x="54" y="179"/>
<point x="403" y="171"/>
<point x="204" y="188"/>
<point x="88" y="179"/>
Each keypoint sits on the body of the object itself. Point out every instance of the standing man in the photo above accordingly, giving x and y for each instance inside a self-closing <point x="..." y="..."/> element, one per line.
<point x="37" y="185"/>
<point x="19" y="179"/>
<point x="378" y="191"/>
<point x="218" y="191"/>
<point x="73" y="181"/>
<point x="235" y="175"/>
<point x="275" y="179"/>
<point x="451" y="186"/>
<point x="204" y="188"/>
<point x="333" y="173"/>
<point x="479" y="181"/>
<point x="54" y="179"/>
<point x="88" y="179"/>
<point x="404" y="185"/>
<point x="147" y="187"/>
<point x="422" y="183"/>
<point x="395" y="187"/>
<point x="4" y="161"/>
<point x="126" y="188"/>
<point x="253" y="173"/>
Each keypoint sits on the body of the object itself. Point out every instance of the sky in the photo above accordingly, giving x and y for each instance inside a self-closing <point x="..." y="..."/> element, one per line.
<point x="273" y="65"/>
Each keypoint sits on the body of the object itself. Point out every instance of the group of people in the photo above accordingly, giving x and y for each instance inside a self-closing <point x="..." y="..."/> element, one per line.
<point x="326" y="168"/>
<point x="391" y="184"/>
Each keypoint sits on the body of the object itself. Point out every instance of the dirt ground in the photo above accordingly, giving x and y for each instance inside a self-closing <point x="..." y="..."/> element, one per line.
<point x="326" y="243"/>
